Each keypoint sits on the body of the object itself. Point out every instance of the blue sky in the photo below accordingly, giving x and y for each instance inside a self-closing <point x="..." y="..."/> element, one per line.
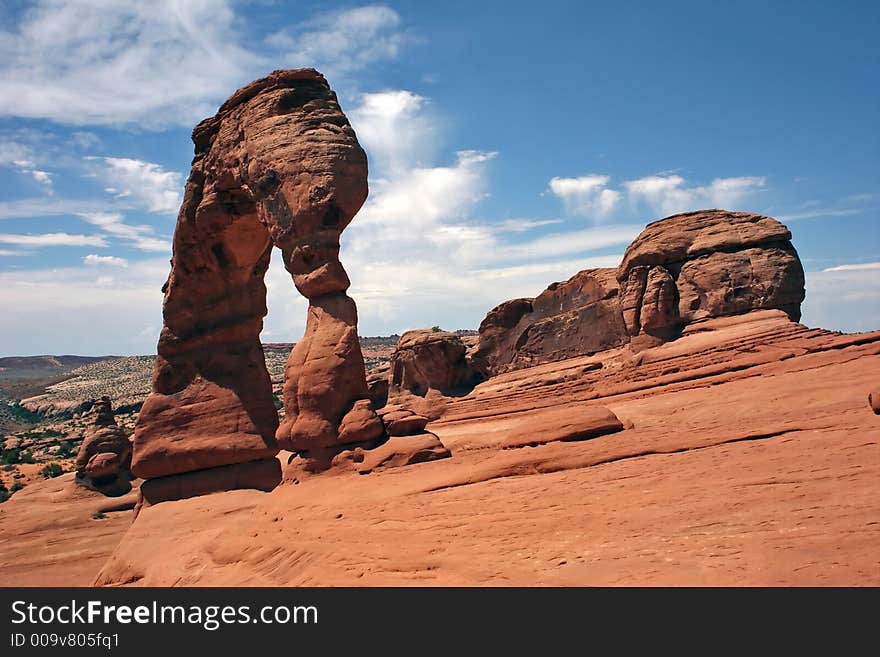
<point x="510" y="145"/>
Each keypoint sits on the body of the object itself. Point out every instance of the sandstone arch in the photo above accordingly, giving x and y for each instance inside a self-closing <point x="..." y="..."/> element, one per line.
<point x="278" y="165"/>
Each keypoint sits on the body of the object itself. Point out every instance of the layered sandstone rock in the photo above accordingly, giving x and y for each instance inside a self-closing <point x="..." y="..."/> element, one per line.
<point x="402" y="421"/>
<point x="377" y="384"/>
<point x="278" y="165"/>
<point x="576" y="317"/>
<point x="105" y="452"/>
<point x="710" y="263"/>
<point x="427" y="366"/>
<point x="679" y="270"/>
<point x="398" y="452"/>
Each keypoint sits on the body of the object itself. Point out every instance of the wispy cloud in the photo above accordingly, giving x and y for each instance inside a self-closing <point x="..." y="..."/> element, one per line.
<point x="124" y="61"/>
<point x="521" y="225"/>
<point x="670" y="194"/>
<point x="592" y="196"/>
<point x="20" y="157"/>
<point x="146" y="183"/>
<point x="845" y="298"/>
<point x="141" y="237"/>
<point x="418" y="252"/>
<point x="342" y="42"/>
<point x="394" y="129"/>
<point x="94" y="260"/>
<point x="167" y="62"/>
<point x="53" y="239"/>
<point x="586" y="195"/>
<point x="865" y="266"/>
<point x="814" y="214"/>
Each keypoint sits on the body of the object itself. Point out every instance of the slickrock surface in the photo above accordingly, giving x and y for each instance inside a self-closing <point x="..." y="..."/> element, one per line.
<point x="278" y="165"/>
<point x="59" y="533"/>
<point x="748" y="457"/>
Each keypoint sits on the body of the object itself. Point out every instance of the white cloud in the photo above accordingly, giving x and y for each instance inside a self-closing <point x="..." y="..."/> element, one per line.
<point x="669" y="194"/>
<point x="565" y="244"/>
<point x="586" y="195"/>
<point x="103" y="314"/>
<point x="42" y="177"/>
<point x="393" y="129"/>
<point x="422" y="197"/>
<point x="857" y="267"/>
<point x="845" y="298"/>
<point x="418" y="255"/>
<point x="141" y="237"/>
<point x="522" y="225"/>
<point x="167" y="62"/>
<point x="342" y="42"/>
<point x="96" y="260"/>
<point x="20" y="156"/>
<point x="7" y="253"/>
<point x="122" y="61"/>
<point x="820" y="213"/>
<point x="48" y="207"/>
<point x="53" y="239"/>
<point x="147" y="183"/>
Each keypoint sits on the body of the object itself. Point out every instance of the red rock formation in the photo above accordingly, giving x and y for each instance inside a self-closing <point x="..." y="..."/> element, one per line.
<point x="572" y="318"/>
<point x="679" y="270"/>
<point x="427" y="366"/>
<point x="105" y="452"/>
<point x="278" y="165"/>
<point x="874" y="401"/>
<point x="710" y="263"/>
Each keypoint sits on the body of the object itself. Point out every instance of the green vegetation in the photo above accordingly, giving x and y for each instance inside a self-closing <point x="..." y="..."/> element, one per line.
<point x="11" y="456"/>
<point x="4" y="492"/>
<point x="51" y="471"/>
<point x="436" y="329"/>
<point x="66" y="449"/>
<point x="98" y="515"/>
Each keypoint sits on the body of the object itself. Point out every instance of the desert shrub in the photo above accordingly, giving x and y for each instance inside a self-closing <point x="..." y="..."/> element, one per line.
<point x="277" y="401"/>
<point x="26" y="457"/>
<point x="66" y="449"/>
<point x="4" y="492"/>
<point x="17" y="486"/>
<point x="10" y="456"/>
<point x="50" y="471"/>
<point x="436" y="329"/>
<point x="98" y="515"/>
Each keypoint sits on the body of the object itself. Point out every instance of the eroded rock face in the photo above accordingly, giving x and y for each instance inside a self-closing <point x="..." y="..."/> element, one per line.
<point x="710" y="263"/>
<point x="105" y="452"/>
<point x="278" y="165"/>
<point x="426" y="367"/>
<point x="681" y="269"/>
<point x="576" y="317"/>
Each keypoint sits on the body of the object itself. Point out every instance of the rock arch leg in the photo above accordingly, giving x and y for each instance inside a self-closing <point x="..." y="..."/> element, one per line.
<point x="212" y="401"/>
